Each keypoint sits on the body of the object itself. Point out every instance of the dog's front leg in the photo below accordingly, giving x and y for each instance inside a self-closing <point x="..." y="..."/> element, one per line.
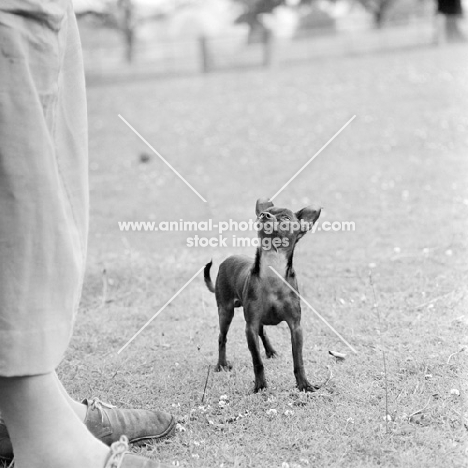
<point x="225" y="318"/>
<point x="251" y="331"/>
<point x="299" y="371"/>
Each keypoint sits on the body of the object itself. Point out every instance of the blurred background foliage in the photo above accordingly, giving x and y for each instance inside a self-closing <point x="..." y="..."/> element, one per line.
<point x="187" y="35"/>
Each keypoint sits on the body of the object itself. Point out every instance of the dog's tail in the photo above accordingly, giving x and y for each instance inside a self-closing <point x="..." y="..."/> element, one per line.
<point x="207" y="277"/>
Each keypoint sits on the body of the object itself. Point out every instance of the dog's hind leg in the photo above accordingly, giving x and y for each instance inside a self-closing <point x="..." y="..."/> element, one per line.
<point x="269" y="350"/>
<point x="225" y="318"/>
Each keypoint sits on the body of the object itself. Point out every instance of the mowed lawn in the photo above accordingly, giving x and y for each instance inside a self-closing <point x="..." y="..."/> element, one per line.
<point x="399" y="172"/>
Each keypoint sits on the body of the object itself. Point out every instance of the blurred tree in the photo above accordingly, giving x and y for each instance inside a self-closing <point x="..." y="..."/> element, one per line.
<point x="310" y="2"/>
<point x="127" y="24"/>
<point x="115" y="14"/>
<point x="252" y="16"/>
<point x="128" y="15"/>
<point x="378" y="9"/>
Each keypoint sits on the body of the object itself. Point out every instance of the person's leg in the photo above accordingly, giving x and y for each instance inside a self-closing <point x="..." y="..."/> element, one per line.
<point x="44" y="429"/>
<point x="43" y="208"/>
<point x="43" y="236"/>
<point x="80" y="409"/>
<point x="453" y="32"/>
<point x="107" y="423"/>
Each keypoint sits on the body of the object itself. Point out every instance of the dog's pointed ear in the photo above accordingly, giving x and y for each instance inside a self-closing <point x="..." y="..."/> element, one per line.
<point x="262" y="205"/>
<point x="307" y="218"/>
<point x="308" y="214"/>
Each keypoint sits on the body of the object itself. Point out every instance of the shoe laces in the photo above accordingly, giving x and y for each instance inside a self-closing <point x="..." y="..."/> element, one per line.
<point x="118" y="451"/>
<point x="96" y="403"/>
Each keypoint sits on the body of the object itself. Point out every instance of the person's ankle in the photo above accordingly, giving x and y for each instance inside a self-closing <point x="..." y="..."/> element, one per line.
<point x="72" y="454"/>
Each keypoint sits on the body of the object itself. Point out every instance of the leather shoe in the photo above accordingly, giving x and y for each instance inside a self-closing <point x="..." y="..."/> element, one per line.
<point x="108" y="423"/>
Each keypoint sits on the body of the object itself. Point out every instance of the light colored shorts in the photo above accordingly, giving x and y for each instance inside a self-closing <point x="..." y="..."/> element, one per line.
<point x="43" y="183"/>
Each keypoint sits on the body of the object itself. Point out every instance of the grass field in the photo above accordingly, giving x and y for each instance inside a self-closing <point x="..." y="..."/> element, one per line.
<point x="399" y="171"/>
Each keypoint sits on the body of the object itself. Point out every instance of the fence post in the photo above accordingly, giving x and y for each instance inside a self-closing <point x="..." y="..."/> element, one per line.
<point x="267" y="47"/>
<point x="205" y="54"/>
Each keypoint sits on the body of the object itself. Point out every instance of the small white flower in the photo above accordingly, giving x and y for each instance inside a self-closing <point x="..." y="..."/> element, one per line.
<point x="180" y="428"/>
<point x="222" y="404"/>
<point x="195" y="455"/>
<point x="288" y="413"/>
<point x="223" y="397"/>
<point x="272" y="412"/>
<point x="454" y="391"/>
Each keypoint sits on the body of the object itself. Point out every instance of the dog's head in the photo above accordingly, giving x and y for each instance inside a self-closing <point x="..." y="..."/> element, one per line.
<point x="280" y="228"/>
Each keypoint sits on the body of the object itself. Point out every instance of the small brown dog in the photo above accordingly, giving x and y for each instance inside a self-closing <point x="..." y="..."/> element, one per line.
<point x="265" y="298"/>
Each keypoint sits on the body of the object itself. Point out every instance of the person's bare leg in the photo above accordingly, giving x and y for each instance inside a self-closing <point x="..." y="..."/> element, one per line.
<point x="80" y="409"/>
<point x="44" y="429"/>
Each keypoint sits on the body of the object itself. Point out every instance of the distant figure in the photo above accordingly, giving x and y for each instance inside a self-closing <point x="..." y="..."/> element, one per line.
<point x="449" y="12"/>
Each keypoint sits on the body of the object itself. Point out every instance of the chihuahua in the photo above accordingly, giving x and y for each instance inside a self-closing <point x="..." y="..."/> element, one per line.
<point x="254" y="285"/>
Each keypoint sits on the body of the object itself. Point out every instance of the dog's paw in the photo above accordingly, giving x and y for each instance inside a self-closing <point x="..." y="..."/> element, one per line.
<point x="226" y="367"/>
<point x="259" y="386"/>
<point x="307" y="387"/>
<point x="271" y="354"/>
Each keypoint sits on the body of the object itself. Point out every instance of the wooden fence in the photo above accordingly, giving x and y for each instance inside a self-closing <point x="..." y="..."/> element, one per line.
<point x="211" y="54"/>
